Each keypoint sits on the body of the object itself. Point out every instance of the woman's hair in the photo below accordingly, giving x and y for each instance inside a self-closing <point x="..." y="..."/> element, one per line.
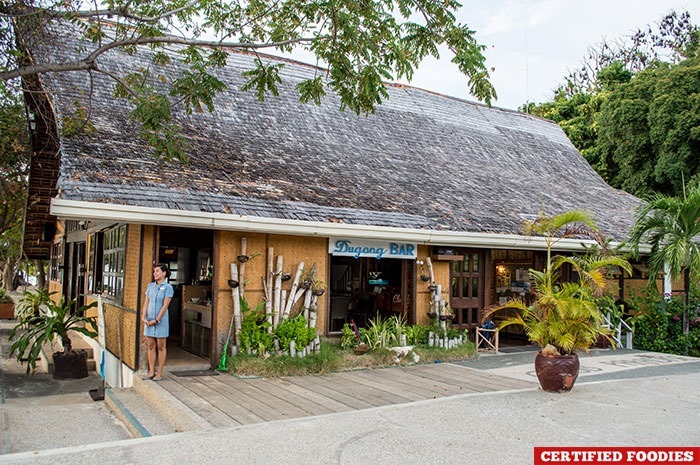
<point x="164" y="268"/>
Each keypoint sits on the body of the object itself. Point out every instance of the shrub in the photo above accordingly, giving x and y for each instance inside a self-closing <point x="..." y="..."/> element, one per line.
<point x="294" y="329"/>
<point x="254" y="336"/>
<point x="658" y="325"/>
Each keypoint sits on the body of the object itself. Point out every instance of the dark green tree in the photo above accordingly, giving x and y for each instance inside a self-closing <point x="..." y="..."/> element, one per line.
<point x="14" y="160"/>
<point x="362" y="44"/>
<point x="649" y="130"/>
<point x="632" y="109"/>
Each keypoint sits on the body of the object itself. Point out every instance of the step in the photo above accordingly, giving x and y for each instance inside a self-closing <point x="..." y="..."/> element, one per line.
<point x="138" y="416"/>
<point x="175" y="412"/>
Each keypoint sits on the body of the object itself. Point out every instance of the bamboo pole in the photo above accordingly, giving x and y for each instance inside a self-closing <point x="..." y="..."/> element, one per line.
<point x="307" y="305"/>
<point x="430" y="269"/>
<point x="267" y="285"/>
<point x="292" y="294"/>
<point x="235" y="294"/>
<point x="244" y="251"/>
<point x="277" y="292"/>
<point x="313" y="305"/>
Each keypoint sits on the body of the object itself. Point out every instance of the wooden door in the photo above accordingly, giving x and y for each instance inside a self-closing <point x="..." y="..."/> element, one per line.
<point x="467" y="288"/>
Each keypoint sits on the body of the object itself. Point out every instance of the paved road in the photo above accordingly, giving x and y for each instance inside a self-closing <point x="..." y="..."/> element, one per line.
<point x="657" y="404"/>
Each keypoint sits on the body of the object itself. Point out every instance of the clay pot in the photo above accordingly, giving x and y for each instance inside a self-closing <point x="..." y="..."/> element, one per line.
<point x="556" y="373"/>
<point x="360" y="349"/>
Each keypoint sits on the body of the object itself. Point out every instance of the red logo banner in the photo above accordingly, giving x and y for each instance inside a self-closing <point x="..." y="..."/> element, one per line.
<point x="612" y="455"/>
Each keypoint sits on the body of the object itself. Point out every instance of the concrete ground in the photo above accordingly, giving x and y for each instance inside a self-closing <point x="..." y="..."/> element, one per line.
<point x="621" y="398"/>
<point x="39" y="413"/>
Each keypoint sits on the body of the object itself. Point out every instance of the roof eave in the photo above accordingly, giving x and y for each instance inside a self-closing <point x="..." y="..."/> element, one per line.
<point x="75" y="209"/>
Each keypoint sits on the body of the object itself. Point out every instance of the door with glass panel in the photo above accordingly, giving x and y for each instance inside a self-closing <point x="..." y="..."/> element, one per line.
<point x="467" y="288"/>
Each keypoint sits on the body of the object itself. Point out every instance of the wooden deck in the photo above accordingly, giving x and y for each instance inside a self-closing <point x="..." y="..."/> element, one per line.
<point x="225" y="400"/>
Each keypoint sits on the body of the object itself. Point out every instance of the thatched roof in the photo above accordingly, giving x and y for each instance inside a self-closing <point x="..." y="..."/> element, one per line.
<point x="423" y="161"/>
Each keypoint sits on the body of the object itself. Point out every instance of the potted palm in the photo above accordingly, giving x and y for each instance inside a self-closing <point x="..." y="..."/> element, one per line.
<point x="563" y="317"/>
<point x="34" y="331"/>
<point x="7" y="306"/>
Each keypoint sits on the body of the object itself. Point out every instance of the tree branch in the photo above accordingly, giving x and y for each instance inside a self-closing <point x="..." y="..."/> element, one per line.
<point x="88" y="63"/>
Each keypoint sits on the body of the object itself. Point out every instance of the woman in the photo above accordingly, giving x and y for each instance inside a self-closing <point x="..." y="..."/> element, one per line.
<point x="154" y="315"/>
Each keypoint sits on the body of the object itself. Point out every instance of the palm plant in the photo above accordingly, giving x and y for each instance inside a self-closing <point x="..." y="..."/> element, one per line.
<point x="671" y="225"/>
<point x="33" y="331"/>
<point x="564" y="314"/>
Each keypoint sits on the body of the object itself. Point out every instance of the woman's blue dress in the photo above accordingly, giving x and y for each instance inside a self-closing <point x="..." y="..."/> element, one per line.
<point x="156" y="294"/>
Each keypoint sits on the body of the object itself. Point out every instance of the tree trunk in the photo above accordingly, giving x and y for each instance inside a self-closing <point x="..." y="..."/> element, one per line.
<point x="686" y="307"/>
<point x="40" y="274"/>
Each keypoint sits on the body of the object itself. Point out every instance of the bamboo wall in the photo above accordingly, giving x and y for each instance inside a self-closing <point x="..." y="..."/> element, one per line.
<point x="294" y="249"/>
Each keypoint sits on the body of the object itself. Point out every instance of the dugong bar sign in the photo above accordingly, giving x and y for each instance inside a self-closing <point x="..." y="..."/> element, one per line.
<point x="376" y="249"/>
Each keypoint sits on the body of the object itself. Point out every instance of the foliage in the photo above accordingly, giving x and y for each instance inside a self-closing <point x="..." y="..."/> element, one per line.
<point x="328" y="359"/>
<point x="671" y="40"/>
<point x="632" y="108"/>
<point x="333" y="358"/>
<point x="563" y="314"/>
<point x="4" y="297"/>
<point x="33" y="331"/>
<point x="348" y="338"/>
<point x="671" y="225"/>
<point x="648" y="129"/>
<point x="658" y="324"/>
<point x="294" y="329"/>
<point x="384" y="332"/>
<point x="31" y="304"/>
<point x="253" y="333"/>
<point x="14" y="161"/>
<point x="417" y="334"/>
<point x="362" y="44"/>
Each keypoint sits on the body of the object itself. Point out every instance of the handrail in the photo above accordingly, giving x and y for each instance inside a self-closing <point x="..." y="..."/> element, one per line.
<point x="617" y="335"/>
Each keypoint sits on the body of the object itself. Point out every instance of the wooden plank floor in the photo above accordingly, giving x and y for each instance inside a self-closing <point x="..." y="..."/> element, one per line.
<point x="225" y="400"/>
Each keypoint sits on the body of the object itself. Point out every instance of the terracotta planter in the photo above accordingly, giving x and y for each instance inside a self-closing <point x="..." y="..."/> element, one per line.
<point x="7" y="311"/>
<point x="360" y="349"/>
<point x="70" y="365"/>
<point x="556" y="373"/>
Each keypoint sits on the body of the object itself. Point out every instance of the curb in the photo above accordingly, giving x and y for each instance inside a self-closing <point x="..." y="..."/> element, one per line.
<point x="136" y="429"/>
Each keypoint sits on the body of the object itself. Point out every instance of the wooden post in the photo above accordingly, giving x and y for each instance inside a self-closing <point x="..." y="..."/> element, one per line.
<point x="235" y="293"/>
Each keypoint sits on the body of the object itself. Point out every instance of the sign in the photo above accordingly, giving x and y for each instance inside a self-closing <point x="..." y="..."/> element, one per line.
<point x="375" y="249"/>
<point x="606" y="455"/>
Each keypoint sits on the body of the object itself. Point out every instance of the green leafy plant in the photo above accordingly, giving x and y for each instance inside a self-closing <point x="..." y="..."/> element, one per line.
<point x="31" y="303"/>
<point x="294" y="329"/>
<point x="253" y="334"/>
<point x="33" y="331"/>
<point x="417" y="334"/>
<point x="384" y="332"/>
<point x="348" y="338"/>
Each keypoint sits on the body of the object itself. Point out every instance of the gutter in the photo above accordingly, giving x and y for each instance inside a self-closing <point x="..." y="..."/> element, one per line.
<point x="76" y="209"/>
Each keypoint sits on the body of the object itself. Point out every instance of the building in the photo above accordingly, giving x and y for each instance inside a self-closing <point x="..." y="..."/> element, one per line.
<point x="364" y="198"/>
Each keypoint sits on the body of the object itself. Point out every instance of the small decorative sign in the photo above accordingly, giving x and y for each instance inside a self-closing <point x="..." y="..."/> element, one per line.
<point x="376" y="249"/>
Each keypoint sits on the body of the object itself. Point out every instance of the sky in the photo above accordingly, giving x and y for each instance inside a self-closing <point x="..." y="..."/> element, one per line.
<point x="532" y="45"/>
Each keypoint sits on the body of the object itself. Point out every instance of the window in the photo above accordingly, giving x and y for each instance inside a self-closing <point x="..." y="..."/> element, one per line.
<point x="56" y="263"/>
<point x="107" y="260"/>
